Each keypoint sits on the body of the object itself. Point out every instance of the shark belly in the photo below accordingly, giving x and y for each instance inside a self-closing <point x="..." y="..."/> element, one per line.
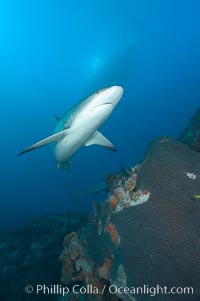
<point x="82" y="128"/>
<point x="69" y="145"/>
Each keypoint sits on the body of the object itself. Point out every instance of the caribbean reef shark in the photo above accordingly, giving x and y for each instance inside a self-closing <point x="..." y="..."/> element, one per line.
<point x="79" y="195"/>
<point x="78" y="127"/>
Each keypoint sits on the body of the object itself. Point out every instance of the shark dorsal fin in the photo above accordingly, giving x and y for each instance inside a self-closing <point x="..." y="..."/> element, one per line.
<point x="57" y="118"/>
<point x="98" y="138"/>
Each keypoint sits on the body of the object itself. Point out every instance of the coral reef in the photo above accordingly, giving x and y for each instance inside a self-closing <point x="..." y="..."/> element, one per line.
<point x="79" y="267"/>
<point x="110" y="228"/>
<point x="30" y="255"/>
<point x="146" y="232"/>
<point x="123" y="191"/>
<point x="103" y="270"/>
<point x="191" y="134"/>
<point x="160" y="237"/>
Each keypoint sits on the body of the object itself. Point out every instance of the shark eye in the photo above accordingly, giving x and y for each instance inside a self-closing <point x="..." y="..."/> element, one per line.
<point x="101" y="90"/>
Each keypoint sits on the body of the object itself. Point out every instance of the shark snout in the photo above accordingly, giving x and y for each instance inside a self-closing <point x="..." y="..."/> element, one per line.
<point x="107" y="96"/>
<point x="117" y="89"/>
<point x="116" y="93"/>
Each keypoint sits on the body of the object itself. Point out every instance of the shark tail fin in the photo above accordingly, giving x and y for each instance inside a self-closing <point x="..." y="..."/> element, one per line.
<point x="53" y="138"/>
<point x="98" y="138"/>
<point x="75" y="193"/>
<point x="57" y="118"/>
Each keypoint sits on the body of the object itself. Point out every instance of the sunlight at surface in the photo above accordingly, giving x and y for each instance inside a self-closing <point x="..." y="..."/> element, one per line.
<point x="95" y="63"/>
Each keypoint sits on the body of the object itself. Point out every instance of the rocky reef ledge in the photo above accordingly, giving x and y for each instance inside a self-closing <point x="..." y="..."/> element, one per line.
<point x="191" y="134"/>
<point x="146" y="232"/>
<point x="30" y="255"/>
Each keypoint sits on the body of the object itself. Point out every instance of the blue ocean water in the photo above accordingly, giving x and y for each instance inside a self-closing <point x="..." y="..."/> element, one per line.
<point x="54" y="53"/>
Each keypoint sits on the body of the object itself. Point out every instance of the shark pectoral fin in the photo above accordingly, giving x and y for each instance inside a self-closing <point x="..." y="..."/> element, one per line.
<point x="53" y="138"/>
<point x="98" y="138"/>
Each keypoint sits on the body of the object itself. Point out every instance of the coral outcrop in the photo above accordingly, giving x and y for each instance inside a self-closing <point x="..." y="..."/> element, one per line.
<point x="191" y="134"/>
<point x="147" y="231"/>
<point x="30" y="255"/>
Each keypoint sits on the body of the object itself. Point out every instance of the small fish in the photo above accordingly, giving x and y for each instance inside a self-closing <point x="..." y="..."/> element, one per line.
<point x="195" y="197"/>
